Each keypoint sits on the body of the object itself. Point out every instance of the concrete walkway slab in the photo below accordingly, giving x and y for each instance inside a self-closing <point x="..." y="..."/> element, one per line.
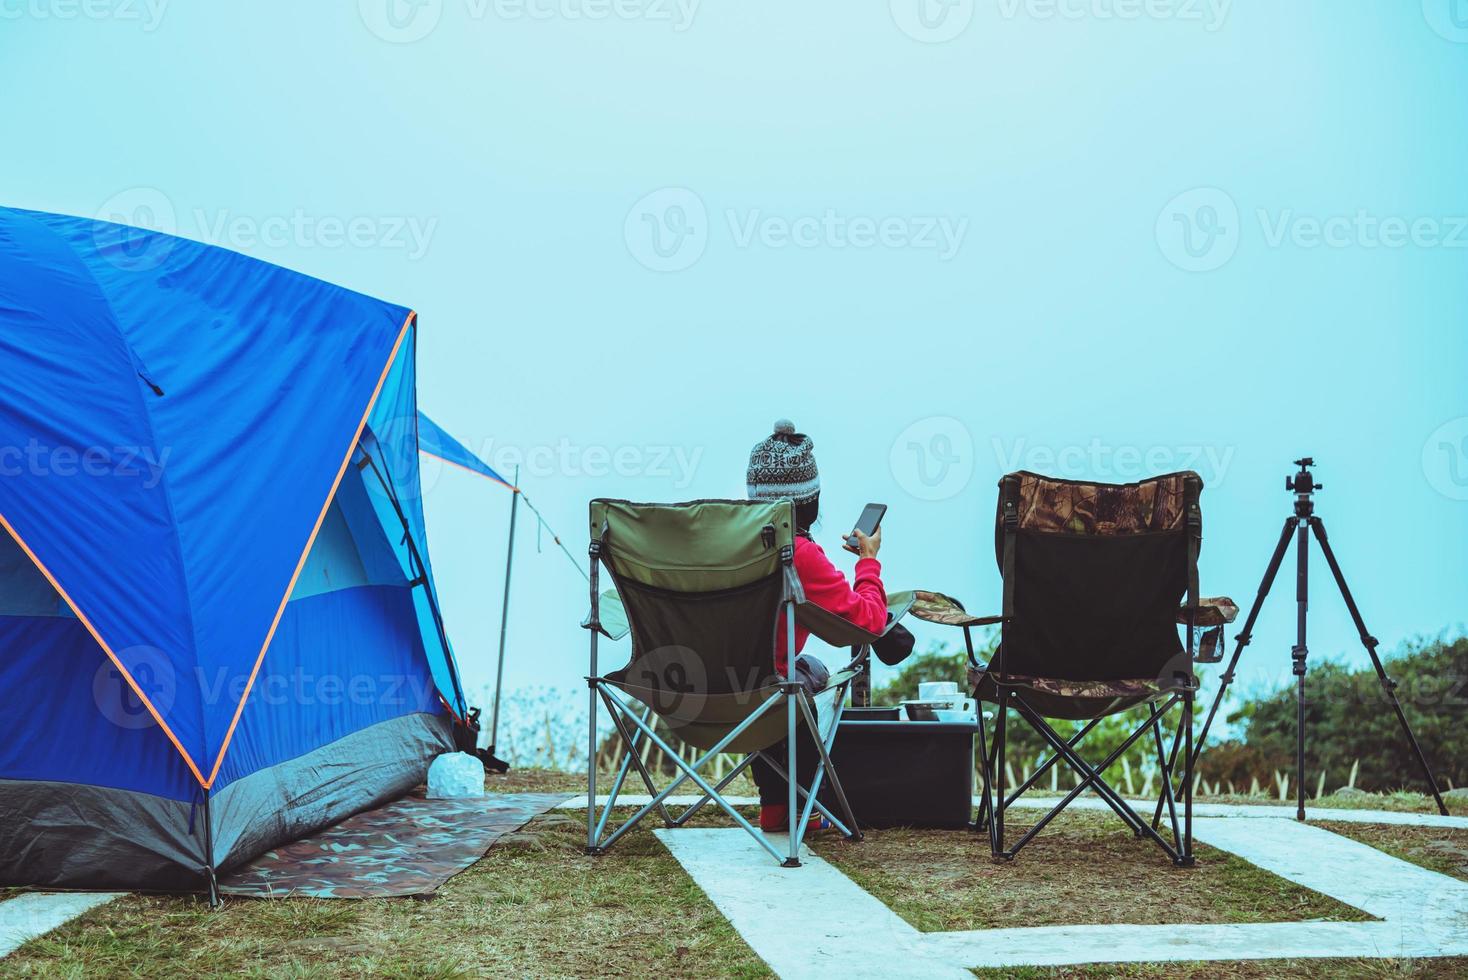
<point x="1246" y="810"/>
<point x="1422" y="913"/>
<point x="1264" y="811"/>
<point x="33" y="914"/>
<point x="811" y="921"/>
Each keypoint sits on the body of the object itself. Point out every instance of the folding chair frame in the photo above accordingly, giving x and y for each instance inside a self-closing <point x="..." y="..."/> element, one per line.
<point x="790" y="696"/>
<point x="995" y="802"/>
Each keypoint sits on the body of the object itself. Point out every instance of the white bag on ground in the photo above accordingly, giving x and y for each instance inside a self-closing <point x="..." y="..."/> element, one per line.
<point x="455" y="776"/>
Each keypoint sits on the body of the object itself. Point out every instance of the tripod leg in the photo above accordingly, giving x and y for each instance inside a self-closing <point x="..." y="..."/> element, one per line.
<point x="1247" y="633"/>
<point x="1370" y="643"/>
<point x="1298" y="656"/>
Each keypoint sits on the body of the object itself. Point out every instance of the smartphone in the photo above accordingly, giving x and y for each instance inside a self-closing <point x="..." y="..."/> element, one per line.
<point x="870" y="520"/>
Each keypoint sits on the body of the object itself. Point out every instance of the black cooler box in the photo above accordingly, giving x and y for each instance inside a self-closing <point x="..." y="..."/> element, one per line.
<point x="900" y="773"/>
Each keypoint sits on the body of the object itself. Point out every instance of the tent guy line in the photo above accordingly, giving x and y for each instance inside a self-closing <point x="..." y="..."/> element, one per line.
<point x="446" y="448"/>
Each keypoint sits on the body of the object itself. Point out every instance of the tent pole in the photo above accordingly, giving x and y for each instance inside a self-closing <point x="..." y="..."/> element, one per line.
<point x="499" y="674"/>
<point x="211" y="882"/>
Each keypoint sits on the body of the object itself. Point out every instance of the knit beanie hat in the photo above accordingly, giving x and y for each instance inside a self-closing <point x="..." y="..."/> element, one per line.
<point x="783" y="466"/>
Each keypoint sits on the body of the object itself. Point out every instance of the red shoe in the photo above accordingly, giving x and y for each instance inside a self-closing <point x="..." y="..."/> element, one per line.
<point x="775" y="817"/>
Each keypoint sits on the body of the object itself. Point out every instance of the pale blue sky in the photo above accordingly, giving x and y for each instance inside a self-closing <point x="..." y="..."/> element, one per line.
<point x="1066" y="237"/>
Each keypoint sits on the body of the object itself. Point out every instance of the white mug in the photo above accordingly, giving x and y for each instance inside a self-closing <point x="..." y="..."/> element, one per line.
<point x="965" y="713"/>
<point x="937" y="690"/>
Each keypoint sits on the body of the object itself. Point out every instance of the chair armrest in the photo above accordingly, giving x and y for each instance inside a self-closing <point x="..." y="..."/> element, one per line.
<point x="831" y="628"/>
<point x="612" y="616"/>
<point x="935" y="607"/>
<point x="1212" y="611"/>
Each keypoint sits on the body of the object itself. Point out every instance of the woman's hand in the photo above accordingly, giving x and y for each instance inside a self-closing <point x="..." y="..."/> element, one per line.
<point x="866" y="547"/>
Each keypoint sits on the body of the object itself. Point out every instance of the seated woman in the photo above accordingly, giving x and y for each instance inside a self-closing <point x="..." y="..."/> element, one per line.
<point x="784" y="467"/>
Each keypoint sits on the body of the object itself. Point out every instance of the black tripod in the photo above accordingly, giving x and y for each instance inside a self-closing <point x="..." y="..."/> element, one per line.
<point x="1303" y="486"/>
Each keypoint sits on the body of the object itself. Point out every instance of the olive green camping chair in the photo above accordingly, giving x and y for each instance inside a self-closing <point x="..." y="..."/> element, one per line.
<point x="703" y="587"/>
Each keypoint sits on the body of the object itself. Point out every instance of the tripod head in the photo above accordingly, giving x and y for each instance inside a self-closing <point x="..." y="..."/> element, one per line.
<point x="1302" y="484"/>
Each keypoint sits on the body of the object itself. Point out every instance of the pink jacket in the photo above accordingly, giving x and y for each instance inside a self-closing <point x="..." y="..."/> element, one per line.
<point x="863" y="604"/>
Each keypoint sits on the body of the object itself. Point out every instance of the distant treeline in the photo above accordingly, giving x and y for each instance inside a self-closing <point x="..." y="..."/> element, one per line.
<point x="1353" y="737"/>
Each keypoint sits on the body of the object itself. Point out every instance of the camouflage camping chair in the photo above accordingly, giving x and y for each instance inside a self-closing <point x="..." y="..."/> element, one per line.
<point x="703" y="587"/>
<point x="1097" y="579"/>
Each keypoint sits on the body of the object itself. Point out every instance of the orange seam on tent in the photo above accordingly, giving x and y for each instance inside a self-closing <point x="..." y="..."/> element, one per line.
<point x="40" y="566"/>
<point x="445" y="459"/>
<point x="301" y="563"/>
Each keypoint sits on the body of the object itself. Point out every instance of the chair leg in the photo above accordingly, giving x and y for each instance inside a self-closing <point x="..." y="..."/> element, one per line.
<point x="982" y="821"/>
<point x="1185" y="858"/>
<point x="1100" y="787"/>
<point x="1177" y="742"/>
<point x="778" y="768"/>
<point x="1089" y="776"/>
<point x="733" y="774"/>
<point x="1166" y="770"/>
<point x="987" y="759"/>
<point x="792" y="859"/>
<point x="1045" y="767"/>
<point x="825" y="769"/>
<point x="689" y="771"/>
<point x="996" y="836"/>
<point x="632" y="741"/>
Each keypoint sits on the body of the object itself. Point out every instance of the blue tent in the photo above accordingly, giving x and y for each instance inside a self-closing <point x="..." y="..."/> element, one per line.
<point x="218" y="623"/>
<point x="434" y="441"/>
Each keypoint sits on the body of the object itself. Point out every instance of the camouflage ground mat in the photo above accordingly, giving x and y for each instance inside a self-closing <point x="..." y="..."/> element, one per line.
<point x="408" y="847"/>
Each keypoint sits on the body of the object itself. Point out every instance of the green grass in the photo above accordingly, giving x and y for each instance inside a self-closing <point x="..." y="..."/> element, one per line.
<point x="1400" y="801"/>
<point x="537" y="906"/>
<point x="1084" y="868"/>
<point x="1438" y="849"/>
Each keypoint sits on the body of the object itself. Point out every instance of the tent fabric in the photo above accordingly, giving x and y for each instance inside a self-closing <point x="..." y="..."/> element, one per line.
<point x="214" y="562"/>
<point x="435" y="441"/>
